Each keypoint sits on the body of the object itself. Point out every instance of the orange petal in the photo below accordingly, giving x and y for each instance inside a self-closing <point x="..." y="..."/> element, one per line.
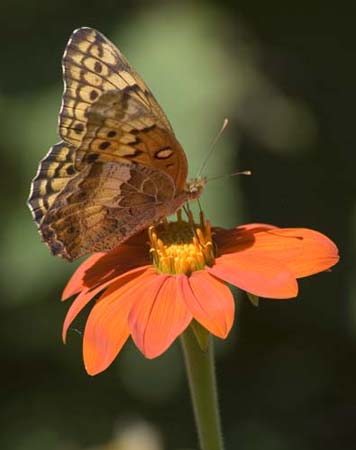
<point x="209" y="300"/>
<point x="261" y="276"/>
<point x="78" y="304"/>
<point x="239" y="238"/>
<point x="104" y="266"/>
<point x="159" y="316"/>
<point x="304" y="251"/>
<point x="107" y="329"/>
<point x="86" y="296"/>
<point x="76" y="283"/>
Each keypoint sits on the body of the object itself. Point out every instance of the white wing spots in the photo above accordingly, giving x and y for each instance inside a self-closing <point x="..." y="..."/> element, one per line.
<point x="164" y="153"/>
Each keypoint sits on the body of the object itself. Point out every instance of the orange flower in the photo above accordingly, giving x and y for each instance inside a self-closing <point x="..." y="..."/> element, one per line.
<point x="153" y="292"/>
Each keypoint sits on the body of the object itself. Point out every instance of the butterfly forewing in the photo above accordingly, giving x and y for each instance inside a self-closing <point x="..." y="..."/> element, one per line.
<point x="120" y="128"/>
<point x="93" y="65"/>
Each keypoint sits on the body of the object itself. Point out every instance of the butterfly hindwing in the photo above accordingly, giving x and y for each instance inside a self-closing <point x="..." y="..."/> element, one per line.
<point x="104" y="204"/>
<point x="54" y="172"/>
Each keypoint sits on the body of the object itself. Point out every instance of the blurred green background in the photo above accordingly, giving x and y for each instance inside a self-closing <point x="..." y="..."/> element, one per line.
<point x="284" y="74"/>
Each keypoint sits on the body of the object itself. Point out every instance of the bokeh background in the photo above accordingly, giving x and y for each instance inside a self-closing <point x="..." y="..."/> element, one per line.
<point x="284" y="74"/>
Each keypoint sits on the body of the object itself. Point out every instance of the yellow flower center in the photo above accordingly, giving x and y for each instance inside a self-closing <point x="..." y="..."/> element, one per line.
<point x="182" y="246"/>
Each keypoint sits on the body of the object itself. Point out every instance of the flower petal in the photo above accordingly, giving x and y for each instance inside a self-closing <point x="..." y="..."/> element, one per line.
<point x="239" y="238"/>
<point x="76" y="283"/>
<point x="261" y="276"/>
<point x="86" y="296"/>
<point x="305" y="252"/>
<point x="107" y="329"/>
<point x="209" y="300"/>
<point x="104" y="266"/>
<point x="78" y="304"/>
<point x="159" y="316"/>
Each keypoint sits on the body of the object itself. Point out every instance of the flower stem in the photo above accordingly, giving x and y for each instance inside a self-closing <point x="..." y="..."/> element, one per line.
<point x="202" y="382"/>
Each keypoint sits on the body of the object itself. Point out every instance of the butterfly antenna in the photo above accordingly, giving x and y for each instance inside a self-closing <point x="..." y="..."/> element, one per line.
<point x="244" y="172"/>
<point x="212" y="148"/>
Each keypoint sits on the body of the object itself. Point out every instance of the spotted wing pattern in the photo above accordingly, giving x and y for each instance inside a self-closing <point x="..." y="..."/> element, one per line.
<point x="120" y="128"/>
<point x="54" y="172"/>
<point x="118" y="168"/>
<point x="92" y="65"/>
<point x="104" y="204"/>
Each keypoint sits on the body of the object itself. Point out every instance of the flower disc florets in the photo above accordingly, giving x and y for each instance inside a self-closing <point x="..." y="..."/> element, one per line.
<point x="182" y="247"/>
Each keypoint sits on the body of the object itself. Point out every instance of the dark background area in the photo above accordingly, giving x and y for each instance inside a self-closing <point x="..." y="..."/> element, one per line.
<point x="284" y="73"/>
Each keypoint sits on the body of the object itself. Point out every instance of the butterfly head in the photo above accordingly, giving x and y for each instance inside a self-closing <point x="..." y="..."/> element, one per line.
<point x="195" y="187"/>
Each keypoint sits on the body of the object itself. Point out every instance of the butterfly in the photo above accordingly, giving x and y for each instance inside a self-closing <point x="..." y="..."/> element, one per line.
<point x="118" y="168"/>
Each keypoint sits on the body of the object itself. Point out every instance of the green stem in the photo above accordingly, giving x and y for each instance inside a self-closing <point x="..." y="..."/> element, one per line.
<point x="202" y="382"/>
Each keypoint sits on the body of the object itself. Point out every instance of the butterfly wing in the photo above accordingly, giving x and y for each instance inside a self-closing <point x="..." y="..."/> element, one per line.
<point x="119" y="167"/>
<point x="93" y="65"/>
<point x="53" y="174"/>
<point x="96" y="72"/>
<point x="103" y="205"/>
<point x="120" y="128"/>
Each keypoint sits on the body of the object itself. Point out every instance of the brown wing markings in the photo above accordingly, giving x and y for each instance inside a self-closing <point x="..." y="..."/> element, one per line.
<point x="102" y="220"/>
<point x="79" y="76"/>
<point x="108" y="115"/>
<point x="66" y="239"/>
<point x="54" y="172"/>
<point x="79" y="60"/>
<point x="162" y="147"/>
<point x="77" y="208"/>
<point x="136" y="136"/>
<point x="75" y="72"/>
<point x="137" y="92"/>
<point x="64" y="225"/>
<point x="81" y="92"/>
<point x="94" y="37"/>
<point x="130" y="141"/>
<point x="106" y="80"/>
<point x="120" y="66"/>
